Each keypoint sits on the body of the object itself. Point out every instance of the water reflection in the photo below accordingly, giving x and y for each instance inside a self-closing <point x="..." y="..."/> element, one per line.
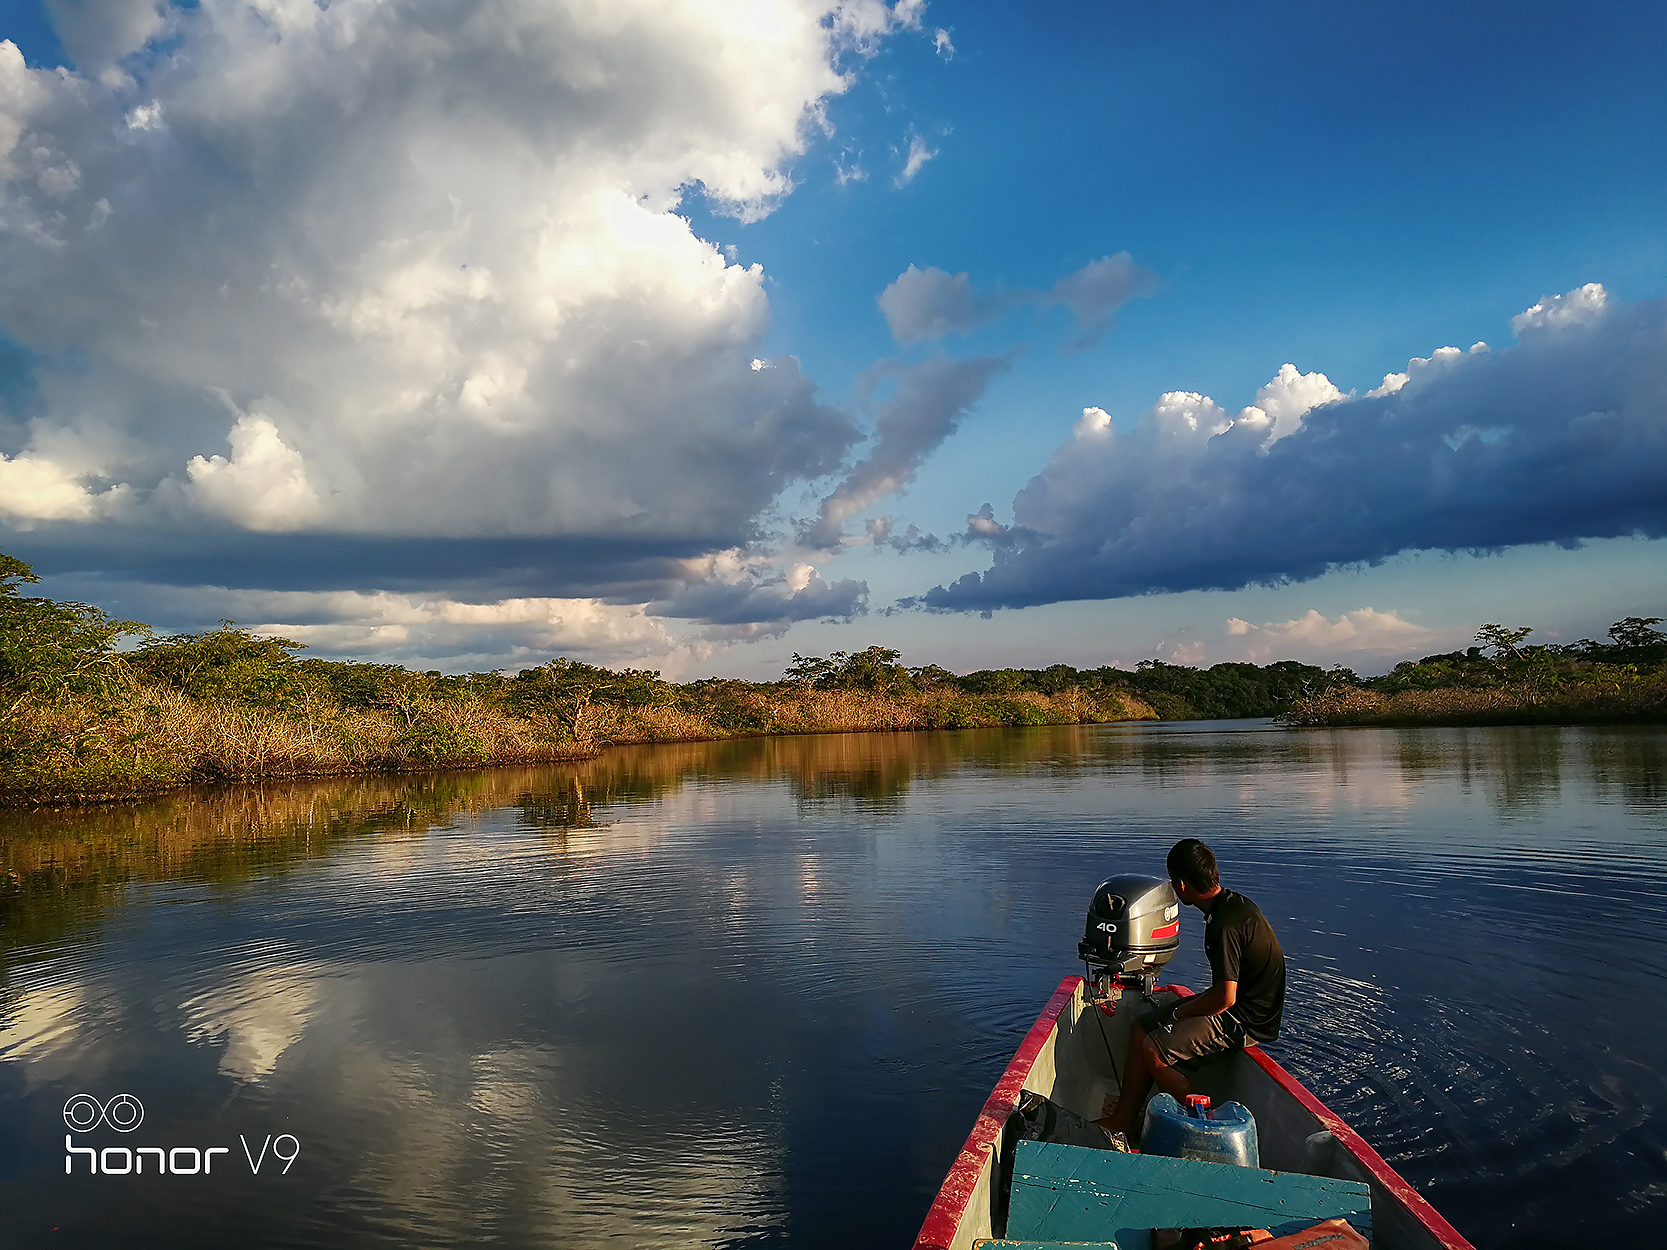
<point x="754" y="991"/>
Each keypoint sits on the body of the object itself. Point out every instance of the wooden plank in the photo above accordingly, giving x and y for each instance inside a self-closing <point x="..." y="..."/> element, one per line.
<point x="1071" y="1193"/>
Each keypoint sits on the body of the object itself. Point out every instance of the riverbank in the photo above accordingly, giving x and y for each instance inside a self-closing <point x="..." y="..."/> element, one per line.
<point x="1641" y="701"/>
<point x="93" y="708"/>
<point x="146" y="739"/>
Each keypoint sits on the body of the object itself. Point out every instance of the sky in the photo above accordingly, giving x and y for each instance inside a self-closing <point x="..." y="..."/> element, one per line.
<point x="693" y="335"/>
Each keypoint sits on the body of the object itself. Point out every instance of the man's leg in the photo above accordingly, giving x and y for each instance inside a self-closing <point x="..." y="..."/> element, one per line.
<point x="1137" y="1079"/>
<point x="1147" y="1062"/>
<point x="1170" y="1080"/>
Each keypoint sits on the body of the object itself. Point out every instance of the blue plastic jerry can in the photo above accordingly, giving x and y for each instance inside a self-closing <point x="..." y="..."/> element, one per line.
<point x="1224" y="1135"/>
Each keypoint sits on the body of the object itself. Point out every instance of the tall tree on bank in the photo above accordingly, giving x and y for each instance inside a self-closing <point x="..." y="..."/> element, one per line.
<point x="50" y="648"/>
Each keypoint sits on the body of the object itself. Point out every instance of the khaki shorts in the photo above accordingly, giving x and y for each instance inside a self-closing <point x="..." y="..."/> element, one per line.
<point x="1196" y="1037"/>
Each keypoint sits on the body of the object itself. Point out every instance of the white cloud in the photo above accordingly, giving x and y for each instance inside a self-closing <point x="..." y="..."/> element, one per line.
<point x="33" y="488"/>
<point x="425" y="630"/>
<point x="433" y="254"/>
<point x="1313" y="637"/>
<point x="726" y="597"/>
<point x="1287" y="398"/>
<point x="919" y="154"/>
<point x="745" y="597"/>
<point x="908" y="13"/>
<point x="262" y="487"/>
<point x="1094" y="423"/>
<point x="1577" y="307"/>
<point x="145" y="117"/>
<point x="1424" y="368"/>
<point x="509" y="631"/>
<point x="1095" y="292"/>
<point x="1559" y="439"/>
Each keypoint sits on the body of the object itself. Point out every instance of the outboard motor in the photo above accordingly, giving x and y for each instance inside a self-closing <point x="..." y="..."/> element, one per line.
<point x="1133" y="930"/>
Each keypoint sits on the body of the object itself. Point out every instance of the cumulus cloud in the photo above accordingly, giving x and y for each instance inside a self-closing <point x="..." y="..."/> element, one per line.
<point x="927" y="406"/>
<point x="925" y="305"/>
<point x="426" y="630"/>
<point x="430" y="256"/>
<point x="34" y="488"/>
<point x="1364" y="632"/>
<point x="1577" y="307"/>
<point x="1560" y="438"/>
<point x="262" y="487"/>
<point x="730" y="596"/>
<point x="762" y="598"/>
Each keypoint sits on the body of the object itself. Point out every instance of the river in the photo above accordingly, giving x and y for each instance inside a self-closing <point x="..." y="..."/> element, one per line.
<point x="755" y="992"/>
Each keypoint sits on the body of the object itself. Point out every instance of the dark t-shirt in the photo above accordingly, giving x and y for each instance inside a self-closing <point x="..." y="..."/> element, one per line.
<point x="1241" y="947"/>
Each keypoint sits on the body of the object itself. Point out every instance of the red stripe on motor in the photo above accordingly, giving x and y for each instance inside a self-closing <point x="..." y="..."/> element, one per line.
<point x="1169" y="930"/>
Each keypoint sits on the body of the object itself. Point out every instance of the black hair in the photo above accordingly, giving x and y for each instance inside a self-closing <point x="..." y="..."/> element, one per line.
<point x="1193" y="862"/>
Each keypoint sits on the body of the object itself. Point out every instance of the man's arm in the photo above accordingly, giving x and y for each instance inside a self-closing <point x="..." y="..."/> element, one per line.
<point x="1224" y="973"/>
<point x="1212" y="1002"/>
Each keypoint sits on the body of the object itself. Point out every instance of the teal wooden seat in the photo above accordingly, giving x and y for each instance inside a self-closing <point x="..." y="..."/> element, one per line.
<point x="1072" y="1193"/>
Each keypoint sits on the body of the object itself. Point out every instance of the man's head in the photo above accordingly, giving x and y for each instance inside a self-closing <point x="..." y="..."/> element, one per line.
<point x="1192" y="871"/>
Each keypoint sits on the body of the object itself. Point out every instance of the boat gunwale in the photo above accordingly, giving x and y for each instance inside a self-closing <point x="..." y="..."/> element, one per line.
<point x="944" y="1217"/>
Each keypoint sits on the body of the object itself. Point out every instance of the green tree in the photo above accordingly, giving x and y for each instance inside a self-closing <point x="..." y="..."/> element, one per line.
<point x="564" y="693"/>
<point x="928" y="675"/>
<point x="229" y="664"/>
<point x="1506" y="644"/>
<point x="1422" y="675"/>
<point x="995" y="681"/>
<point x="873" y="668"/>
<point x="1636" y="631"/>
<point x="810" y="670"/>
<point x="48" y="648"/>
<point x="1536" y="669"/>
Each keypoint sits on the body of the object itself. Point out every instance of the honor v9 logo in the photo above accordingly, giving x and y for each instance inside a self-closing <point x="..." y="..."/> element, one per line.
<point x="124" y="1113"/>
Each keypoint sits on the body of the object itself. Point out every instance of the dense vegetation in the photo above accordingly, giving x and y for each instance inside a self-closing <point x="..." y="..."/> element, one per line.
<point x="1505" y="679"/>
<point x="91" y="706"/>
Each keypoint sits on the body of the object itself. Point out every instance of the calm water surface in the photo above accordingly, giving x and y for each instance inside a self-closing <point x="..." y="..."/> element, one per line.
<point x="755" y="992"/>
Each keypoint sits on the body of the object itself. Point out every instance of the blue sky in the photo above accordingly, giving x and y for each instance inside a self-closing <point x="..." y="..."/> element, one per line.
<point x="365" y="345"/>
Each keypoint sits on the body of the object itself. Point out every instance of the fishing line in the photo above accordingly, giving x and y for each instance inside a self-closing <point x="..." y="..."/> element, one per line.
<point x="1101" y="1017"/>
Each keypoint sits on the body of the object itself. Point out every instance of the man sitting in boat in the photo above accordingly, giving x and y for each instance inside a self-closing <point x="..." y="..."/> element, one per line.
<point x="1244" y="1003"/>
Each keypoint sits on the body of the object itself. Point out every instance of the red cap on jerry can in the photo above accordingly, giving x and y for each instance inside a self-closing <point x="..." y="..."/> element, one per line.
<point x="1198" y="1104"/>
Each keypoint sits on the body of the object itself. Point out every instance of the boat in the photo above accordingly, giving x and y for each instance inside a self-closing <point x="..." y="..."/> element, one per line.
<point x="1071" y="1057"/>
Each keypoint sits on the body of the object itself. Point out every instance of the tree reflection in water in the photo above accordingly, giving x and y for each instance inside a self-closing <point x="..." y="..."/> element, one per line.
<point x="60" y="868"/>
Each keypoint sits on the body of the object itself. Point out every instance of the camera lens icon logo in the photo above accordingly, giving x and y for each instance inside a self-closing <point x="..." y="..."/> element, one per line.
<point x="124" y="1113"/>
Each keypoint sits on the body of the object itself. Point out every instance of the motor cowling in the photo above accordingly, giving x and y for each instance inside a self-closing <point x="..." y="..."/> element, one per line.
<point x="1133" y="929"/>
